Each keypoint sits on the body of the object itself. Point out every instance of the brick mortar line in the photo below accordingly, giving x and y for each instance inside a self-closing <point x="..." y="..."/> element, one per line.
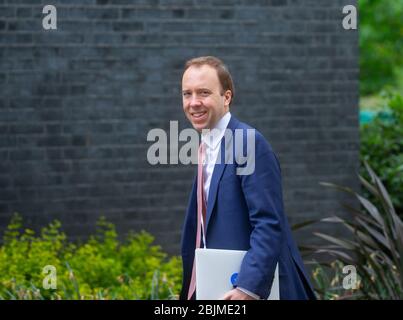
<point x="117" y="134"/>
<point x="151" y="45"/>
<point x="113" y="146"/>
<point x="133" y="6"/>
<point x="175" y="6"/>
<point x="118" y="121"/>
<point x="142" y="32"/>
<point x="145" y="19"/>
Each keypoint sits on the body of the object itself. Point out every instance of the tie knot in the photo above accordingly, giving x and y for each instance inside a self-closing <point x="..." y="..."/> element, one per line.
<point x="202" y="152"/>
<point x="202" y="147"/>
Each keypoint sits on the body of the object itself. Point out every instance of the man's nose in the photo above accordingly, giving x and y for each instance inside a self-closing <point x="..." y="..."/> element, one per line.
<point x="194" y="101"/>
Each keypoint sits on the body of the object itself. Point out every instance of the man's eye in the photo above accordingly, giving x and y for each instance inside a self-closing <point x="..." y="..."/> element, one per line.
<point x="205" y="93"/>
<point x="186" y="94"/>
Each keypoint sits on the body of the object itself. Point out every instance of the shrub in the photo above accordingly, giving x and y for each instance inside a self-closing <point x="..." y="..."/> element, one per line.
<point x="100" y="268"/>
<point x="327" y="280"/>
<point x="380" y="41"/>
<point x="382" y="147"/>
<point x="375" y="247"/>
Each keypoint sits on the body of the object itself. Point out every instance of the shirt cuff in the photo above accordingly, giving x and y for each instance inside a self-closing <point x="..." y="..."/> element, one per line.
<point x="255" y="296"/>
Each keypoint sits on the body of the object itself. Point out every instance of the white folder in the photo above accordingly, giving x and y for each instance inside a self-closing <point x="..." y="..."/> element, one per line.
<point x="216" y="271"/>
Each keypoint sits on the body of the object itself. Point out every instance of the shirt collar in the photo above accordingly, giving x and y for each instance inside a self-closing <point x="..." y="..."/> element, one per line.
<point x="212" y="137"/>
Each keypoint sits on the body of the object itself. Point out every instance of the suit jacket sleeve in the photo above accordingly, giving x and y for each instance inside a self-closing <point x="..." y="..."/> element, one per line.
<point x="263" y="194"/>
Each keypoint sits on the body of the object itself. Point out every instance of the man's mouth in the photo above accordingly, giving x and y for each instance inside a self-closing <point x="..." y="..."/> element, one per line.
<point x="198" y="115"/>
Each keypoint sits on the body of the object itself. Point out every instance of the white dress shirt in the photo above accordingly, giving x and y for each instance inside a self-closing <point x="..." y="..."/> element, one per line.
<point x="212" y="139"/>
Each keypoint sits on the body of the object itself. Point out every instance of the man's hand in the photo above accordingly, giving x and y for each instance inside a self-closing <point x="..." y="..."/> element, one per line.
<point x="236" y="294"/>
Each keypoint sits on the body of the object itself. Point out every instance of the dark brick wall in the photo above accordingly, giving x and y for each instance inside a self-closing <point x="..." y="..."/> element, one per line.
<point x="76" y="104"/>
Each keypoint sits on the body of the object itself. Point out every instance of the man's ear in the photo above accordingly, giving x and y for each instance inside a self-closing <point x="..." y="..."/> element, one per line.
<point x="227" y="97"/>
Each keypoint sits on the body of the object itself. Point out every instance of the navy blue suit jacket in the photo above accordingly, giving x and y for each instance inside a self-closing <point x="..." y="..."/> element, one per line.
<point x="245" y="212"/>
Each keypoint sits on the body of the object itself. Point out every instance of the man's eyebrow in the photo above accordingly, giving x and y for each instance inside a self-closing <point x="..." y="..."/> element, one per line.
<point x="198" y="90"/>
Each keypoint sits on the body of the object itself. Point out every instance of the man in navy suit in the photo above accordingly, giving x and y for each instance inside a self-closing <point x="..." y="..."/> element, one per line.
<point x="243" y="211"/>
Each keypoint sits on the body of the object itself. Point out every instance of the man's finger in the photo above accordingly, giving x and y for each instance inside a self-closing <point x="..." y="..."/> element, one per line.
<point x="226" y="296"/>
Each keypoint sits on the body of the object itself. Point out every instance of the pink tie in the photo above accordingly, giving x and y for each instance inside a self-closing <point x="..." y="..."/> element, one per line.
<point x="201" y="212"/>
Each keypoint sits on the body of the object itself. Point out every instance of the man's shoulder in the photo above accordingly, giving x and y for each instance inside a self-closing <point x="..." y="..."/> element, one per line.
<point x="261" y="143"/>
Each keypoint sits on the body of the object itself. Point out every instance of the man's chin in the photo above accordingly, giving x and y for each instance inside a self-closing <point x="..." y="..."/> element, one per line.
<point x="199" y="126"/>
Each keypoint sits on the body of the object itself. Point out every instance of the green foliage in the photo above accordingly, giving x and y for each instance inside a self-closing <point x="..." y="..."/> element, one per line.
<point x="101" y="268"/>
<point x="375" y="245"/>
<point x="327" y="280"/>
<point x="382" y="146"/>
<point x="381" y="44"/>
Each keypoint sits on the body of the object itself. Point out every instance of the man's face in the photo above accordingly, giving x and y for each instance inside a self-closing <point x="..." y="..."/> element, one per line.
<point x="203" y="101"/>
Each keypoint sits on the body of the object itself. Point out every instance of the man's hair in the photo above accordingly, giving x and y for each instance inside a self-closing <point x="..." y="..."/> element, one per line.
<point x="222" y="71"/>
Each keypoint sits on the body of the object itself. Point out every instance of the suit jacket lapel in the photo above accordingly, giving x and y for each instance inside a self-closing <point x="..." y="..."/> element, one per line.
<point x="219" y="169"/>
